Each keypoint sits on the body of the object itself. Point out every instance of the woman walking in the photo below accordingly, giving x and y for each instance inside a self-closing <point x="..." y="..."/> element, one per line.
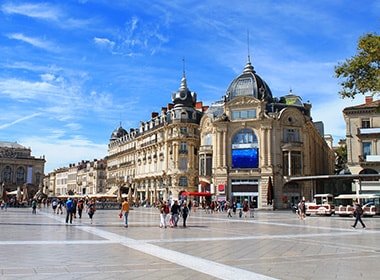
<point x="91" y="209"/>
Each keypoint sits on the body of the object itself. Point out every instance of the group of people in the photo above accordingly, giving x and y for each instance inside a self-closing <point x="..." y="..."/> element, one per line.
<point x="73" y="208"/>
<point x="170" y="214"/>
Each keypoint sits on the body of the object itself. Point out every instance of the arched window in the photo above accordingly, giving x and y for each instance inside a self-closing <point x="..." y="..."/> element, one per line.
<point x="20" y="175"/>
<point x="7" y="174"/>
<point x="245" y="150"/>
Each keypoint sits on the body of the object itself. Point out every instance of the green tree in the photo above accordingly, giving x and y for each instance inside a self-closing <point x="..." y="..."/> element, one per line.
<point x="361" y="73"/>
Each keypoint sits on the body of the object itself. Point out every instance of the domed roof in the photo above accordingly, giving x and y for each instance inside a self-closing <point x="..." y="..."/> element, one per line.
<point x="249" y="84"/>
<point x="292" y="99"/>
<point x="117" y="133"/>
<point x="184" y="97"/>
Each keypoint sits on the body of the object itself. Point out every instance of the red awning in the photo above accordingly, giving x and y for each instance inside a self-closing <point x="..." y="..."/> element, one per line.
<point x="197" y="193"/>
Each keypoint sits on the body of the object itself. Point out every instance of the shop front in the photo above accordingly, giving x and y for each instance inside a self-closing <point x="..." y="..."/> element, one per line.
<point x="245" y="190"/>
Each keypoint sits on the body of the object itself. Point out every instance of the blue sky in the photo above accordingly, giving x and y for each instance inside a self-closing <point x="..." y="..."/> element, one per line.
<point x="71" y="71"/>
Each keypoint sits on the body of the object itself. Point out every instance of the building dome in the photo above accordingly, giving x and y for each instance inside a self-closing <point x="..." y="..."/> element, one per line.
<point x="249" y="84"/>
<point x="292" y="99"/>
<point x="184" y="97"/>
<point x="117" y="133"/>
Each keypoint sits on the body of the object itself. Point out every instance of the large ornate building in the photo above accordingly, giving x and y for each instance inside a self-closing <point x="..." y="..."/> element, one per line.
<point x="19" y="169"/>
<point x="253" y="144"/>
<point x="160" y="158"/>
<point x="247" y="146"/>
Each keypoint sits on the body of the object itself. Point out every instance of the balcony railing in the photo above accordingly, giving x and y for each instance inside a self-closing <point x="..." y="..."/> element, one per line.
<point x="369" y="131"/>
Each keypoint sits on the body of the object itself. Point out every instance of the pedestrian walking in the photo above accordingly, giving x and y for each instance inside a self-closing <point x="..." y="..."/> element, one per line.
<point x="69" y="210"/>
<point x="54" y="205"/>
<point x="125" y="210"/>
<point x="184" y="213"/>
<point x="229" y="210"/>
<point x="175" y="213"/>
<point x="80" y="207"/>
<point x="34" y="206"/>
<point x="164" y="211"/>
<point x="91" y="209"/>
<point x="245" y="209"/>
<point x="302" y="209"/>
<point x="358" y="213"/>
<point x="60" y="206"/>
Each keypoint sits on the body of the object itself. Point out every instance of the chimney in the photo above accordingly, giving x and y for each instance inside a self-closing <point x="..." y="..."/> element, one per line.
<point x="154" y="114"/>
<point x="198" y="105"/>
<point x="170" y="106"/>
<point x="368" y="100"/>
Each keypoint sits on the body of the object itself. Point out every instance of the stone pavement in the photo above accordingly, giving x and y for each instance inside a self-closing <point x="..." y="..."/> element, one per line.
<point x="272" y="245"/>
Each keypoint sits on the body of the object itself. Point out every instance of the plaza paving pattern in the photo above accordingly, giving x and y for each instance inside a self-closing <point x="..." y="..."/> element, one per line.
<point x="272" y="245"/>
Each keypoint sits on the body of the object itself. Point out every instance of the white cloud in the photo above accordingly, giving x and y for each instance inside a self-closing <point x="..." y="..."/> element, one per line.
<point x="75" y="150"/>
<point x="6" y="125"/>
<point x="73" y="126"/>
<point x="41" y="10"/>
<point x="36" y="42"/>
<point x="46" y="12"/>
<point x="104" y="42"/>
<point x="21" y="89"/>
<point x="47" y="77"/>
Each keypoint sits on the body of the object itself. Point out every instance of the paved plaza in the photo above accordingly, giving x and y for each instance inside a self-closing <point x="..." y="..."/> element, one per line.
<point x="272" y="245"/>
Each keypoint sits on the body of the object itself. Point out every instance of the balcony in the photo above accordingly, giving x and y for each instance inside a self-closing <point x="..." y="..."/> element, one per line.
<point x="368" y="132"/>
<point x="369" y="160"/>
<point x="205" y="148"/>
<point x="373" y="158"/>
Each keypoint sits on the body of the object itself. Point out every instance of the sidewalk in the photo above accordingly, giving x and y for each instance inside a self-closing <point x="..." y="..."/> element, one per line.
<point x="273" y="245"/>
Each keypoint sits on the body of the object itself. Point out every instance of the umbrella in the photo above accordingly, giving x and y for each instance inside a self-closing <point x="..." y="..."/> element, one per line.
<point x="270" y="192"/>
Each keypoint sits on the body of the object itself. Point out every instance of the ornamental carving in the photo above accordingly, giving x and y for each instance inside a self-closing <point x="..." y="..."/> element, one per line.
<point x="8" y="154"/>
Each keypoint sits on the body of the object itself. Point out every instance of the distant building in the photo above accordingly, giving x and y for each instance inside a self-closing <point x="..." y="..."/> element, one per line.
<point x="19" y="168"/>
<point x="84" y="178"/>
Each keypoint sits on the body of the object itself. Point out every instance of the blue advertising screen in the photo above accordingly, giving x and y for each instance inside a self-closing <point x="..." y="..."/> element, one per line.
<point x="245" y="158"/>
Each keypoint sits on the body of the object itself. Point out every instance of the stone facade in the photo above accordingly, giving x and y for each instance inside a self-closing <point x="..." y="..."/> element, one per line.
<point x="84" y="178"/>
<point x="363" y="137"/>
<point x="245" y="147"/>
<point x="252" y="144"/>
<point x="159" y="159"/>
<point x="19" y="169"/>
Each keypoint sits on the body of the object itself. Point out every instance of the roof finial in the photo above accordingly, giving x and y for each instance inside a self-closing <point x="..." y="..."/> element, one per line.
<point x="249" y="57"/>
<point x="183" y="67"/>
<point x="248" y="67"/>
<point x="183" y="81"/>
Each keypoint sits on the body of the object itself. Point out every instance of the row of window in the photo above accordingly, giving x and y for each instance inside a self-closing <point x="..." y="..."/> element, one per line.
<point x="247" y="136"/>
<point x="7" y="174"/>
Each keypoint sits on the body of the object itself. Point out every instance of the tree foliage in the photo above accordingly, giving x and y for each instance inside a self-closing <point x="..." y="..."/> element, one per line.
<point x="361" y="73"/>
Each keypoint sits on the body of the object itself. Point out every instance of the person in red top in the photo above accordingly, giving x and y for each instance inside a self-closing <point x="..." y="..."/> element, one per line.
<point x="164" y="211"/>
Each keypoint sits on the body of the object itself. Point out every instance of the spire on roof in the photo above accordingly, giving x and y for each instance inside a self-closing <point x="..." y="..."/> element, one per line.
<point x="183" y="86"/>
<point x="248" y="67"/>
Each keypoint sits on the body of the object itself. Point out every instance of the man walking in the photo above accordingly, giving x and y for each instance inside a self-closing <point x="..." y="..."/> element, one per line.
<point x="358" y="213"/>
<point x="69" y="210"/>
<point x="175" y="213"/>
<point x="125" y="211"/>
